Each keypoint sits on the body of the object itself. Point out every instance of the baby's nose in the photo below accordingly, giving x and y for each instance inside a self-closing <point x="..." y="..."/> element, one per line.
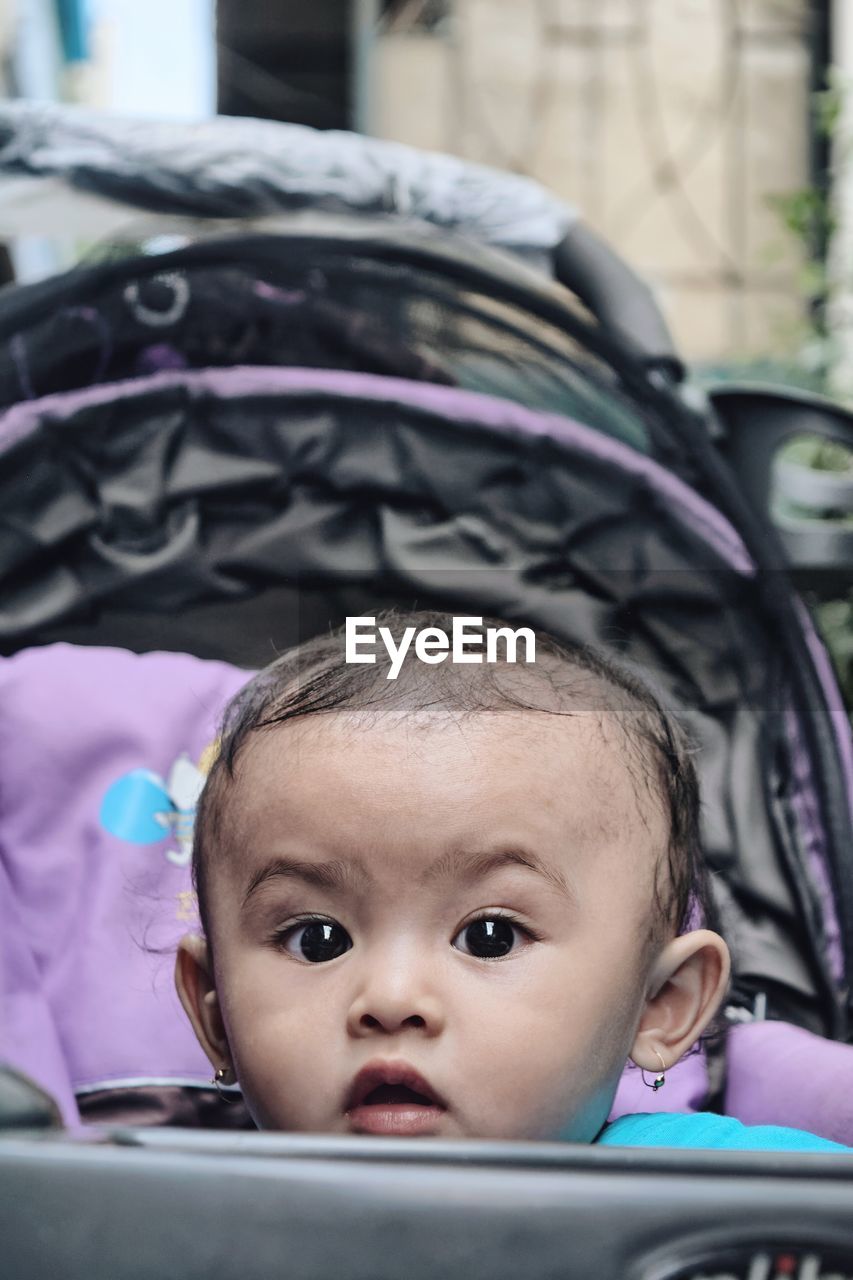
<point x="397" y="995"/>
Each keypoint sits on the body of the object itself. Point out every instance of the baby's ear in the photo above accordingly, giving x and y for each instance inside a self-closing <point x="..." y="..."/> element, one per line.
<point x="686" y="985"/>
<point x="197" y="993"/>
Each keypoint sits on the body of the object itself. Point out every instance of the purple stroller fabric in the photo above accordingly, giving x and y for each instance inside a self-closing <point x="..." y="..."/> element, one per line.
<point x="92" y="739"/>
<point x="781" y="1074"/>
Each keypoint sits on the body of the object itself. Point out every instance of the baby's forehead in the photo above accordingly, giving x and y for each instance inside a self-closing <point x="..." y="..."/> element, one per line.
<point x="392" y="810"/>
<point x="582" y="766"/>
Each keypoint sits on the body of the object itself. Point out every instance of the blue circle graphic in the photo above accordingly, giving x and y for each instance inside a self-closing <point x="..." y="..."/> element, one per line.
<point x="129" y="807"/>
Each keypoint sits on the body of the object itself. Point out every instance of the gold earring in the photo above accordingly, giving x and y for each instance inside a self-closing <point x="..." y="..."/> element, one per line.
<point x="219" y="1080"/>
<point x="660" y="1079"/>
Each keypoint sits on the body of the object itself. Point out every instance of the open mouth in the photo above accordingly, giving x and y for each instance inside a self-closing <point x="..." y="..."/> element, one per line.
<point x="396" y="1095"/>
<point x="397" y="1110"/>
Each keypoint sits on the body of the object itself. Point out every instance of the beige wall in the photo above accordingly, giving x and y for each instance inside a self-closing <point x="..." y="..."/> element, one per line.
<point x="669" y="130"/>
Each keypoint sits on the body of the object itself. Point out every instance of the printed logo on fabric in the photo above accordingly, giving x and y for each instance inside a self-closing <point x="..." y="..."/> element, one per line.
<point x="141" y="807"/>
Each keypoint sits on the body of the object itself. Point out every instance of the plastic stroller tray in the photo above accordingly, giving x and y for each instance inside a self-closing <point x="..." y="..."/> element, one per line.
<point x="149" y="1205"/>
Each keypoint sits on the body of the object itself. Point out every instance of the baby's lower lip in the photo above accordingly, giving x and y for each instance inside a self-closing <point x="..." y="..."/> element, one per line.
<point x="405" y="1119"/>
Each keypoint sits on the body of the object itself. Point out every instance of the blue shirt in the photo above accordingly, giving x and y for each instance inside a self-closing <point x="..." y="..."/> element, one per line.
<point x="703" y="1129"/>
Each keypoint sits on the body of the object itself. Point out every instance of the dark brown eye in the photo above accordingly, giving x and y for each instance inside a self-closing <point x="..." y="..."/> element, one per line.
<point x="316" y="940"/>
<point x="490" y="937"/>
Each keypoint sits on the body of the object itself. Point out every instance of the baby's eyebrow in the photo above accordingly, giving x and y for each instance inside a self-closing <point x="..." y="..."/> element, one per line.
<point x="469" y="865"/>
<point x="460" y="865"/>
<point x="333" y="876"/>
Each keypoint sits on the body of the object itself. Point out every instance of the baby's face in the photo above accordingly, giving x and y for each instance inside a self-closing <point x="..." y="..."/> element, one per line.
<point x="480" y="899"/>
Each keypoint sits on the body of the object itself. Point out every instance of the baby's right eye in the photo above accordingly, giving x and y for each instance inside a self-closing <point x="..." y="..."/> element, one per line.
<point x="314" y="940"/>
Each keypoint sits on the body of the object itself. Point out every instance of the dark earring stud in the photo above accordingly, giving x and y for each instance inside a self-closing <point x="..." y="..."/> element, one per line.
<point x="659" y="1080"/>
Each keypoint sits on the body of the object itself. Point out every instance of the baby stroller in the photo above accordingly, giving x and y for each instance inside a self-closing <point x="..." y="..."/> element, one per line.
<point x="212" y="452"/>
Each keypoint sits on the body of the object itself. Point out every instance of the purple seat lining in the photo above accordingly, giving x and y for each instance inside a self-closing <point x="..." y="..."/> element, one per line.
<point x="781" y="1074"/>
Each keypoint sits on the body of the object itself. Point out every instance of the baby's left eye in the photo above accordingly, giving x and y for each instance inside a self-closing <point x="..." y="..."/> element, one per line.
<point x="319" y="940"/>
<point x="491" y="937"/>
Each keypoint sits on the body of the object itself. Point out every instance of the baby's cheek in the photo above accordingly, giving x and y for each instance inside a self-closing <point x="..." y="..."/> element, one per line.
<point x="273" y="1064"/>
<point x="531" y="1098"/>
<point x="568" y="1082"/>
<point x="257" y="1009"/>
<point x="516" y="1045"/>
<point x="552" y="1051"/>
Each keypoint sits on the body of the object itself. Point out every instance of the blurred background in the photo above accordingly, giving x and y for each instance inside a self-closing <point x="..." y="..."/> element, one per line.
<point x="700" y="137"/>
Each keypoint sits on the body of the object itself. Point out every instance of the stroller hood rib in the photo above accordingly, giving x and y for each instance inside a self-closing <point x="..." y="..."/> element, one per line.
<point x="327" y="294"/>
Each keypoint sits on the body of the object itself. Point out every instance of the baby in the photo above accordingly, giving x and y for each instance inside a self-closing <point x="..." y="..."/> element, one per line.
<point x="450" y="903"/>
